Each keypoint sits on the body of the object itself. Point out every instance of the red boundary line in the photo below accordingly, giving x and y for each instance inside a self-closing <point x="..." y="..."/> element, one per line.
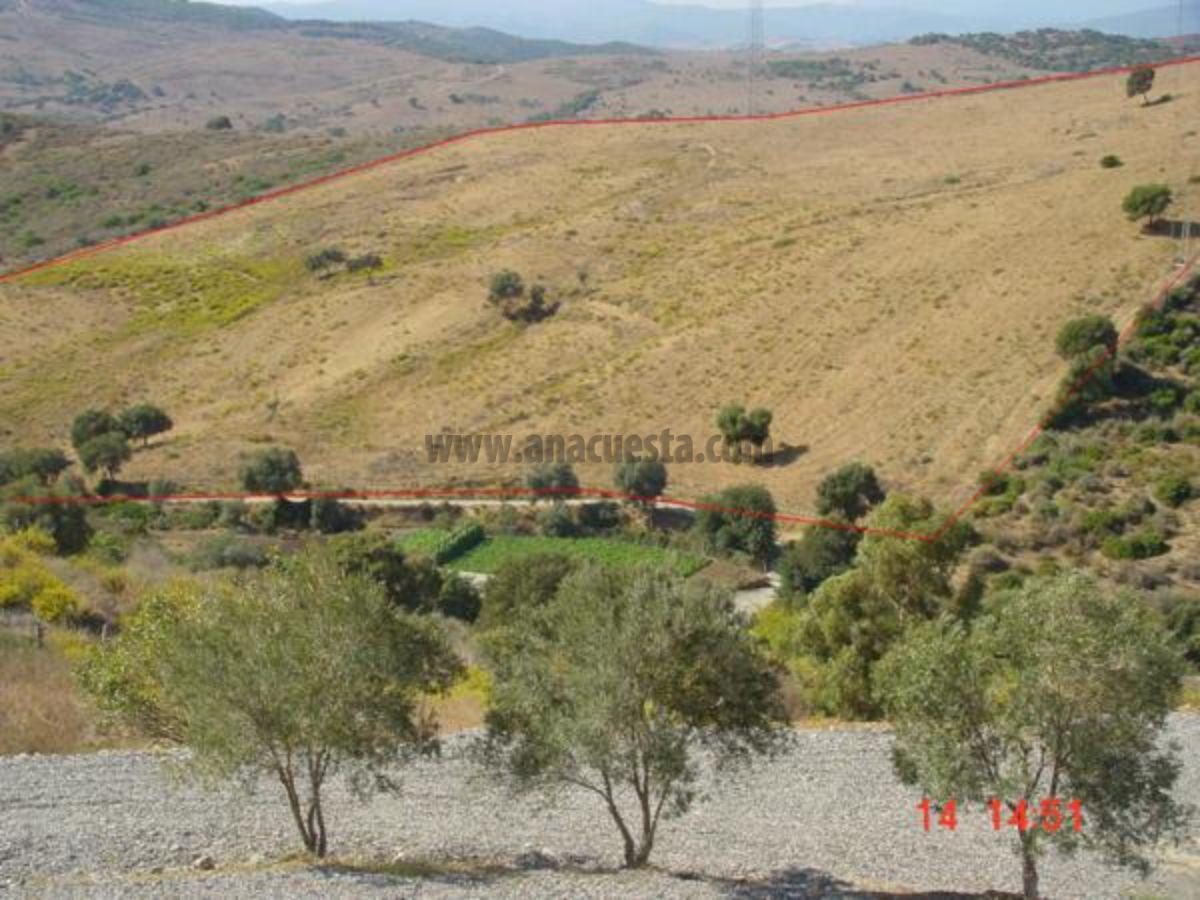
<point x="577" y="123"/>
<point x="443" y="493"/>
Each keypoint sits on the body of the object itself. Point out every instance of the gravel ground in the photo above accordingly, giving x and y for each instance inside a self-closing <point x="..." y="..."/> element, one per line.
<point x="825" y="819"/>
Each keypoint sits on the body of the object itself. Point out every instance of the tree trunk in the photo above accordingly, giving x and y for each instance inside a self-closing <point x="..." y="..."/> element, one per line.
<point x="1029" y="871"/>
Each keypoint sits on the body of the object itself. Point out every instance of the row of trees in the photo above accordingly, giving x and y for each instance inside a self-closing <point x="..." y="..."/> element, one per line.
<point x="615" y="682"/>
<point x="101" y="439"/>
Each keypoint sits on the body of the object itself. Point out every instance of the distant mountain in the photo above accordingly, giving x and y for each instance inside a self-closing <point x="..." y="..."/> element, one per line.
<point x="115" y="12"/>
<point x="642" y="22"/>
<point x="1160" y="22"/>
<point x="474" y="44"/>
<point x="671" y="25"/>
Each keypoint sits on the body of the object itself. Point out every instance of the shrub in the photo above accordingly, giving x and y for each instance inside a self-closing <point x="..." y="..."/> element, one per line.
<point x="368" y="262"/>
<point x="91" y="424"/>
<point x="850" y="492"/>
<point x="64" y="521"/>
<point x="521" y="584"/>
<point x="227" y="551"/>
<point x="43" y="463"/>
<point x="459" y="542"/>
<point x="556" y="521"/>
<point x="818" y="556"/>
<point x="105" y="453"/>
<point x="1147" y="201"/>
<point x="219" y="123"/>
<point x="1111" y="162"/>
<point x="554" y="478"/>
<point x="459" y="599"/>
<point x="329" y="516"/>
<point x="1173" y="489"/>
<point x="599" y="516"/>
<point x="325" y="259"/>
<point x="644" y="479"/>
<point x="1080" y="336"/>
<point x="273" y="470"/>
<point x="143" y="422"/>
<point x="506" y="285"/>
<point x="740" y="519"/>
<point x="413" y="585"/>
<point x="1143" y="545"/>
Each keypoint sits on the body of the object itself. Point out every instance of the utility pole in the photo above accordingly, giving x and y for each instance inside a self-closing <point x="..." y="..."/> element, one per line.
<point x="755" y="51"/>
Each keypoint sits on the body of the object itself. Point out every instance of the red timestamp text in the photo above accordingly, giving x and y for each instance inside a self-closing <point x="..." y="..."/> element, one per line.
<point x="1050" y="815"/>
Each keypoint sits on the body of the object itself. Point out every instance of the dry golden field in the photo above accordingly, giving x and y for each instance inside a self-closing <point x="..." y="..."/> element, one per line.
<point x="888" y="281"/>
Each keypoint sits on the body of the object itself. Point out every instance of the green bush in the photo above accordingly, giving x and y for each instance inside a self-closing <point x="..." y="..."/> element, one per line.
<point x="1173" y="489"/>
<point x="818" y="556"/>
<point x="459" y="599"/>
<point x="227" y="551"/>
<point x="1143" y="545"/>
<point x="459" y="542"/>
<point x="1080" y="336"/>
<point x="1111" y="162"/>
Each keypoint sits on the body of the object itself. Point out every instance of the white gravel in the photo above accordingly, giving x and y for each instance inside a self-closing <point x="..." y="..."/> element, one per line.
<point x="825" y="819"/>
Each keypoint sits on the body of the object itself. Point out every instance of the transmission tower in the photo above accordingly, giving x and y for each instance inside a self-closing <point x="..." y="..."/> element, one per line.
<point x="755" y="51"/>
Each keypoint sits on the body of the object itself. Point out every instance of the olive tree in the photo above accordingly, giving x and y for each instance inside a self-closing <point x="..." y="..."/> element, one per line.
<point x="144" y="421"/>
<point x="615" y="684"/>
<point x="1059" y="692"/>
<point x="555" y="478"/>
<point x="272" y="471"/>
<point x="642" y="480"/>
<point x="1147" y="201"/>
<point x="105" y="453"/>
<point x="849" y="492"/>
<point x="1140" y="82"/>
<point x="298" y="673"/>
<point x="91" y="424"/>
<point x="740" y="519"/>
<point x="1082" y="335"/>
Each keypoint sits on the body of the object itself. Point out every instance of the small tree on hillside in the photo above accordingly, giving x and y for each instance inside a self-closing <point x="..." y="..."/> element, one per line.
<point x="615" y="685"/>
<point x="91" y="424"/>
<point x="645" y="479"/>
<point x="144" y="421"/>
<point x="506" y="285"/>
<point x="1140" y="82"/>
<point x="555" y="479"/>
<point x="740" y="519"/>
<point x="105" y="453"/>
<point x="1080" y="335"/>
<point x="43" y="463"/>
<point x="850" y="492"/>
<point x="298" y="674"/>
<point x="272" y="471"/>
<point x="1060" y="694"/>
<point x="738" y="427"/>
<point x="1147" y="201"/>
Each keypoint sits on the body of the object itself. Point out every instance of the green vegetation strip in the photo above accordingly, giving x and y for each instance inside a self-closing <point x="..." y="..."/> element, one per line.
<point x="496" y="551"/>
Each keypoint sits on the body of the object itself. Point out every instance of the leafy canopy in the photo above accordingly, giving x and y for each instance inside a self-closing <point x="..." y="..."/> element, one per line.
<point x="1061" y="689"/>
<point x="298" y="672"/>
<point x="616" y="683"/>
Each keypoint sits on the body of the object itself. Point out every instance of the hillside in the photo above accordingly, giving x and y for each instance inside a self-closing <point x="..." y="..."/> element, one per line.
<point x="891" y="298"/>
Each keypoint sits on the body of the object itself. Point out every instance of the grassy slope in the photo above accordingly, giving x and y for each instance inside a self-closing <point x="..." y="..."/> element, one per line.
<point x="889" y="281"/>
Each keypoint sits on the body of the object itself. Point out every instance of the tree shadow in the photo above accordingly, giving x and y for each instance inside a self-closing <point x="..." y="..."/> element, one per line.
<point x="797" y="882"/>
<point x="784" y="455"/>
<point x="1159" y="101"/>
<point x="1170" y="228"/>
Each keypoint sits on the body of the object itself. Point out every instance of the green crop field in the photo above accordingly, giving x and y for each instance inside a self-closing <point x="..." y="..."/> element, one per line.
<point x="496" y="551"/>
